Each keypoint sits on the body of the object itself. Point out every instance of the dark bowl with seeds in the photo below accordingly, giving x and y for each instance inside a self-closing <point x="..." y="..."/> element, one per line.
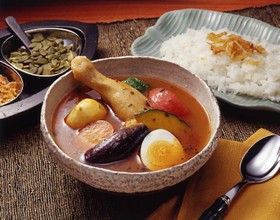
<point x="52" y="50"/>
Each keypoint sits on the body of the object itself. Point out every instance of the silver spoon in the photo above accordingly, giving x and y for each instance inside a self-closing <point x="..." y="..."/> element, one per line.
<point x="260" y="163"/>
<point x="18" y="32"/>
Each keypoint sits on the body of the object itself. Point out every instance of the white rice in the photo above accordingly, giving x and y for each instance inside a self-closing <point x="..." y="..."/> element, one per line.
<point x="192" y="51"/>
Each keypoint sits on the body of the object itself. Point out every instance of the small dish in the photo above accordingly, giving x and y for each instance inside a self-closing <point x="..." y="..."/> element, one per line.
<point x="12" y="76"/>
<point x="178" y="21"/>
<point x="69" y="37"/>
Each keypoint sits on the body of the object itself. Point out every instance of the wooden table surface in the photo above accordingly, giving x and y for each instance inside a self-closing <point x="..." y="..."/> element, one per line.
<point x="33" y="186"/>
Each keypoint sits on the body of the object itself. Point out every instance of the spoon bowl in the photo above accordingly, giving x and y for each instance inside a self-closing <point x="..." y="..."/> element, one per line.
<point x="259" y="164"/>
<point x="261" y="161"/>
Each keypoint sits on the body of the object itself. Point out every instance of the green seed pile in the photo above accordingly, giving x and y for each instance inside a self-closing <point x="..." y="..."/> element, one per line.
<point x="48" y="56"/>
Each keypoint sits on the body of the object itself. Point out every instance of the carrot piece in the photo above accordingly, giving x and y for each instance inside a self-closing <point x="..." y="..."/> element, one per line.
<point x="93" y="133"/>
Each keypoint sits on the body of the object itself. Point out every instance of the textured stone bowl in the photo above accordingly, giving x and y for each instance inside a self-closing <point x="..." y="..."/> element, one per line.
<point x="124" y="182"/>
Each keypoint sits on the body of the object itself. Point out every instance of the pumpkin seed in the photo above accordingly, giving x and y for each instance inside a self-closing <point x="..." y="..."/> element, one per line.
<point x="37" y="47"/>
<point x="32" y="45"/>
<point x="38" y="37"/>
<point x="19" y="65"/>
<point x="54" y="62"/>
<point x="33" y="70"/>
<point x="58" y="41"/>
<point x="23" y="58"/>
<point x="43" y="52"/>
<point x="40" y="70"/>
<point x="48" y="55"/>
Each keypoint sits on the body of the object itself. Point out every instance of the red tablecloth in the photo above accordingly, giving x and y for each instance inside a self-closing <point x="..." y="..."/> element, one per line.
<point x="112" y="10"/>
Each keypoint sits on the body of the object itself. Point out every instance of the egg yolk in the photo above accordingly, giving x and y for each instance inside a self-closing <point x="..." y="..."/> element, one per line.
<point x="163" y="154"/>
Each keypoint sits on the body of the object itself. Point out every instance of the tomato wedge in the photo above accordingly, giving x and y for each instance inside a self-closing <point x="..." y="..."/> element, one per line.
<point x="163" y="99"/>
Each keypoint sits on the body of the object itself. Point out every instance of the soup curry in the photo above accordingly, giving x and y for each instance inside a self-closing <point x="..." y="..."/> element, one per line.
<point x="75" y="142"/>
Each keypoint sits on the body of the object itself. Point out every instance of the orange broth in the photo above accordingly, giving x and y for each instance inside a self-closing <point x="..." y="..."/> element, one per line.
<point x="67" y="138"/>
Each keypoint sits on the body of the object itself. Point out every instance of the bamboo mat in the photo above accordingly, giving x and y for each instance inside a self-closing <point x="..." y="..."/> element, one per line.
<point x="33" y="186"/>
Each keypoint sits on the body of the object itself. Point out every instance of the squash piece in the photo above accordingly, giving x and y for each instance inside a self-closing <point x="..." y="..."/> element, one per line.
<point x="86" y="111"/>
<point x="158" y="119"/>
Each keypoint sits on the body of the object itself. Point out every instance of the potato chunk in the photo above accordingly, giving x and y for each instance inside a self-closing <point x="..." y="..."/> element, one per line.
<point x="86" y="111"/>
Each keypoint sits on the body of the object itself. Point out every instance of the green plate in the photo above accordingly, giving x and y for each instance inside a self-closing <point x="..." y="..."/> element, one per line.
<point x="178" y="21"/>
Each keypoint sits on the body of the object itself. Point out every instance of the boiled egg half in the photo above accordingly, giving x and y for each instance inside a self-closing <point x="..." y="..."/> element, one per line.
<point x="161" y="149"/>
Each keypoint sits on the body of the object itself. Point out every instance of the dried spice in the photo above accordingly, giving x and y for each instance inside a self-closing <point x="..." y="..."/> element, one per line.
<point x="8" y="90"/>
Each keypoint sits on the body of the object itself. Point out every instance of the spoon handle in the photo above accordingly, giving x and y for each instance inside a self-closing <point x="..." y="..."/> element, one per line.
<point x="18" y="31"/>
<point x="215" y="211"/>
<point x="222" y="203"/>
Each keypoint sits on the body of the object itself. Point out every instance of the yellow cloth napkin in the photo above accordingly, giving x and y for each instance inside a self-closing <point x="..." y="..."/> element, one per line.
<point x="256" y="201"/>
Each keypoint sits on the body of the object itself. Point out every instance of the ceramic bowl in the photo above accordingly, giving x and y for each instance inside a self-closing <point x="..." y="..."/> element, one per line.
<point x="11" y="44"/>
<point x="125" y="182"/>
<point x="13" y="76"/>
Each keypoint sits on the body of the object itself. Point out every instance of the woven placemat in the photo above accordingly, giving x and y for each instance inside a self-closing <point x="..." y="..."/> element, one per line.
<point x="33" y="186"/>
